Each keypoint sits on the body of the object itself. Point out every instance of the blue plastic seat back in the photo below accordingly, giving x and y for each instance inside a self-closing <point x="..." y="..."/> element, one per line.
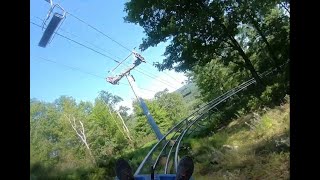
<point x="156" y="177"/>
<point x="51" y="28"/>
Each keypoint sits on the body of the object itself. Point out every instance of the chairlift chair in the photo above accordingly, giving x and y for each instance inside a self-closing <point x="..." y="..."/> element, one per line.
<point x="113" y="80"/>
<point x="54" y="24"/>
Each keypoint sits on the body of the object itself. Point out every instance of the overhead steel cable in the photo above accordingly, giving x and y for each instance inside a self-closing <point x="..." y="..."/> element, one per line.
<point x="92" y="44"/>
<point x="99" y="31"/>
<point x="80" y="44"/>
<point x="120" y="44"/>
<point x="86" y="72"/>
<point x="103" y="54"/>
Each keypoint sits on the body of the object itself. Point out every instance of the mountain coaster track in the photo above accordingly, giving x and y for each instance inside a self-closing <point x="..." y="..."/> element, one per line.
<point x="164" y="148"/>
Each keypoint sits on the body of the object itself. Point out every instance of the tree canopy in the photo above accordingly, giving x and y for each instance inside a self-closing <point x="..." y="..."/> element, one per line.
<point x="231" y="31"/>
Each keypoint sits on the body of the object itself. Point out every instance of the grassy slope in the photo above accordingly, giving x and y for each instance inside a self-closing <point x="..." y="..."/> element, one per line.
<point x="255" y="146"/>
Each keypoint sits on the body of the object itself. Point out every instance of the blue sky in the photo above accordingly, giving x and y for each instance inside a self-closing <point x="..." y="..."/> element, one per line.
<point x="48" y="80"/>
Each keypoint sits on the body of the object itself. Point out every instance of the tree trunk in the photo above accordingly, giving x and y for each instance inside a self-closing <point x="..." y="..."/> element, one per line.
<point x="246" y="59"/>
<point x="125" y="127"/>
<point x="284" y="6"/>
<point x="247" y="62"/>
<point x="81" y="133"/>
<point x="271" y="52"/>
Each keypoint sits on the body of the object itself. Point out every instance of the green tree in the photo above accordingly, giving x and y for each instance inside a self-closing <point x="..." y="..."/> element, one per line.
<point x="75" y="140"/>
<point x="142" y="127"/>
<point x="173" y="104"/>
<point x="198" y="30"/>
<point x="110" y="99"/>
<point x="123" y="110"/>
<point x="214" y="79"/>
<point x="105" y="127"/>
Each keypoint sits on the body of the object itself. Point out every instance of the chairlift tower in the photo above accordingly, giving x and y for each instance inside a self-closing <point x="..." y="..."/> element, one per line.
<point x="54" y="25"/>
<point x="115" y="80"/>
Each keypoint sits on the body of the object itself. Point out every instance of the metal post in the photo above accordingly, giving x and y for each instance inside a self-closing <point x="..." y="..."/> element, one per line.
<point x="144" y="107"/>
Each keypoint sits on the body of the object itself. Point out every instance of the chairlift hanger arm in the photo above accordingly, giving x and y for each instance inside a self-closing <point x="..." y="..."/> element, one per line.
<point x="49" y="1"/>
<point x="137" y="62"/>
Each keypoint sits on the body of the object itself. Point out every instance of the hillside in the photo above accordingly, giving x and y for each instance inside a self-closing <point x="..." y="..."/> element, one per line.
<point x="191" y="94"/>
<point x="255" y="146"/>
